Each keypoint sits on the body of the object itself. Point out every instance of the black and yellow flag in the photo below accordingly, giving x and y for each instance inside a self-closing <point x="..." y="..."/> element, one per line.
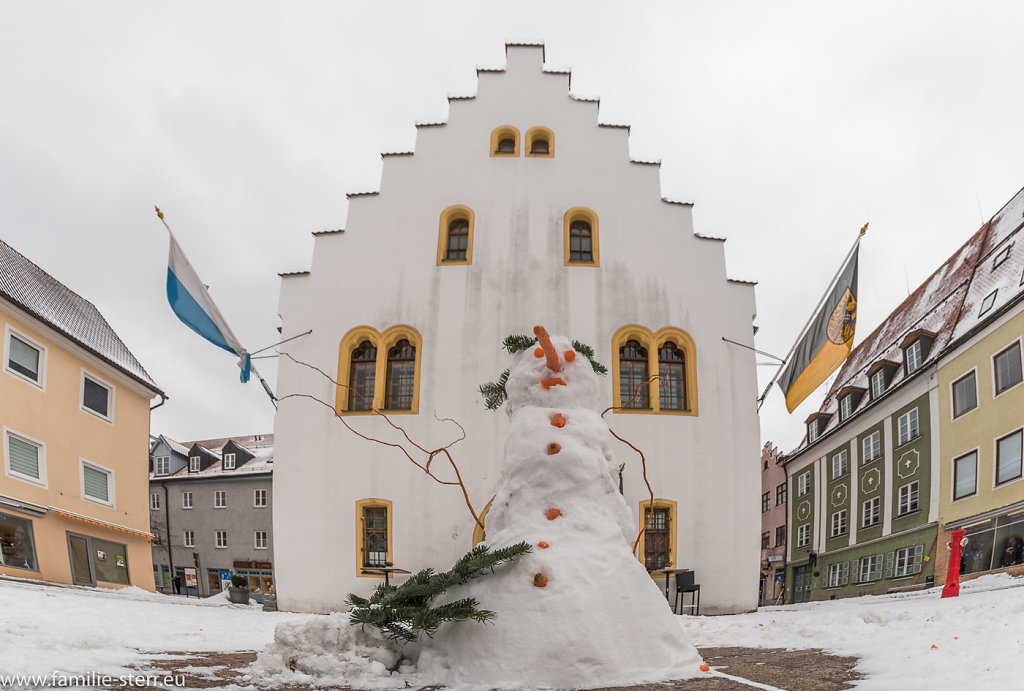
<point x="828" y="339"/>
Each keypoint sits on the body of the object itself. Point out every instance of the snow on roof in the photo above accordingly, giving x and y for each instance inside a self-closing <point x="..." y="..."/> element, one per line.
<point x="934" y="308"/>
<point x="43" y="296"/>
<point x="177" y="447"/>
<point x="261" y="446"/>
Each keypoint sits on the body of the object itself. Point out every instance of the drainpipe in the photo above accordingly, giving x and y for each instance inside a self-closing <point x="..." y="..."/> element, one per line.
<point x="167" y="520"/>
<point x="163" y="399"/>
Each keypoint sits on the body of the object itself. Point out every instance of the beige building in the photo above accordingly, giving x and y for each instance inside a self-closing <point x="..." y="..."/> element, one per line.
<point x="981" y="408"/>
<point x="74" y="410"/>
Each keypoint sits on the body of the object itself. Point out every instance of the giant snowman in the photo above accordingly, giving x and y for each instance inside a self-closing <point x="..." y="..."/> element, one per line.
<point x="579" y="611"/>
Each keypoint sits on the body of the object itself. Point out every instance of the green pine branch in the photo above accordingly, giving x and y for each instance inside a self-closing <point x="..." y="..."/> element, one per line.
<point x="403" y="612"/>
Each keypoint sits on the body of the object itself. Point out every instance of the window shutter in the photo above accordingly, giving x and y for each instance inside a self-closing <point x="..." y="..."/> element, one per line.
<point x="24" y="457"/>
<point x="855" y="576"/>
<point x="96" y="484"/>
<point x="888" y="564"/>
<point x="877" y="573"/>
<point x="844" y="573"/>
<point x="918" y="558"/>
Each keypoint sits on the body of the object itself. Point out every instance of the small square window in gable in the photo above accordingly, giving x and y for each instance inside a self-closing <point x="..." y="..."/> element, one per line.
<point x="988" y="302"/>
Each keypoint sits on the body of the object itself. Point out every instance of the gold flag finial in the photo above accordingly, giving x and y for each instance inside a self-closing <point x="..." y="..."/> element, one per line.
<point x="160" y="215"/>
<point x="863" y="230"/>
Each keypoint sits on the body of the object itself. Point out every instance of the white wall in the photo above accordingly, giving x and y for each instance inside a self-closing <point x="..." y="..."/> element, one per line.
<point x="382" y="271"/>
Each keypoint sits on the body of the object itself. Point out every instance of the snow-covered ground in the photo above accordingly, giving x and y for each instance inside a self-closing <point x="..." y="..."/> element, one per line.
<point x="979" y="637"/>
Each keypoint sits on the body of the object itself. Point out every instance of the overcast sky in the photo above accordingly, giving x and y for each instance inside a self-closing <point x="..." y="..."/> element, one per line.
<point x="789" y="125"/>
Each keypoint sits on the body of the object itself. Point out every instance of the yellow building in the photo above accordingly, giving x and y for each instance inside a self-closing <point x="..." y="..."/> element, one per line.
<point x="981" y="408"/>
<point x="74" y="410"/>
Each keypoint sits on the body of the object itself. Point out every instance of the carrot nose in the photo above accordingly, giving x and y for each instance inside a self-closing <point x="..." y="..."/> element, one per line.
<point x="544" y="341"/>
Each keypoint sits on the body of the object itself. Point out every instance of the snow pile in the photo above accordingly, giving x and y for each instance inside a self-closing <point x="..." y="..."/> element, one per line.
<point x="329" y="651"/>
<point x="978" y="637"/>
<point x="597" y="618"/>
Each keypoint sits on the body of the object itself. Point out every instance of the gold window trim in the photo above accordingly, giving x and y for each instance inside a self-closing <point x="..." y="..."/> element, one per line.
<point x="581" y="213"/>
<point x="383" y="342"/>
<point x="652" y="342"/>
<point x="672" y="549"/>
<point x="504" y="132"/>
<point x="372" y="503"/>
<point x="450" y="214"/>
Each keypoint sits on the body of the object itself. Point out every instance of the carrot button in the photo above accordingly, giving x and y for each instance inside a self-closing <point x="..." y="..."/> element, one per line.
<point x="553" y="448"/>
<point x="558" y="420"/>
<point x="540" y="580"/>
<point x="569" y="355"/>
<point x="543" y="545"/>
<point x="539" y="352"/>
<point x="553" y="514"/>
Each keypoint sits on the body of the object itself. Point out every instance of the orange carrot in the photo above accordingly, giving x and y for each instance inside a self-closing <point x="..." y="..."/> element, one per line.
<point x="569" y="355"/>
<point x="543" y="545"/>
<point x="539" y="352"/>
<point x="553" y="448"/>
<point x="554" y="381"/>
<point x="558" y="420"/>
<point x="553" y="514"/>
<point x="544" y="341"/>
<point x="540" y="580"/>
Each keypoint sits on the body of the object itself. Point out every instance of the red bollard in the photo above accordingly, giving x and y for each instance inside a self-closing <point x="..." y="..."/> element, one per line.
<point x="956" y="545"/>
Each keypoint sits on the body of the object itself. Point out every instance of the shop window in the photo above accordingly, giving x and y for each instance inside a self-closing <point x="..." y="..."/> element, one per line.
<point x="1008" y="458"/>
<point x="374" y="535"/>
<point x="540" y="142"/>
<point x="260" y="582"/>
<point x="505" y="141"/>
<point x="97" y="397"/>
<point x="110" y="561"/>
<point x="660" y="536"/>
<point x="24" y="458"/>
<point x="455" y="236"/>
<point x="384" y="368"/>
<point x="965" y="475"/>
<point x="24" y="358"/>
<point x="581" y="237"/>
<point x="636" y="353"/>
<point x="17" y="543"/>
<point x="213" y="579"/>
<point x="97" y="483"/>
<point x="1007" y="367"/>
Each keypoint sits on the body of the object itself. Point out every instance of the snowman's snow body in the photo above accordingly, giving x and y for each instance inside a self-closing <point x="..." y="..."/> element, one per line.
<point x="599" y="619"/>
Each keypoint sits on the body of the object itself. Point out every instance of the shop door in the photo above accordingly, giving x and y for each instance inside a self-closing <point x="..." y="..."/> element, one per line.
<point x="81" y="565"/>
<point x="801" y="584"/>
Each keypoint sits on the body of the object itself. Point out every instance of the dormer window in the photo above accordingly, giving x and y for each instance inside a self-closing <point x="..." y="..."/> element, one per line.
<point x="229" y="461"/>
<point x="880" y="375"/>
<point x="162" y="465"/>
<point x="915" y="349"/>
<point x="913" y="357"/>
<point x="816" y="424"/>
<point x="193" y="464"/>
<point x="849" y="398"/>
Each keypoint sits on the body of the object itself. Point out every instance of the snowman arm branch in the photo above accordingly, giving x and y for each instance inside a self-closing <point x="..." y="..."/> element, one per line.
<point x="643" y="460"/>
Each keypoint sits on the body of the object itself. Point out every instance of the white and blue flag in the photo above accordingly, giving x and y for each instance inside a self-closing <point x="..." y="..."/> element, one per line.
<point x="191" y="301"/>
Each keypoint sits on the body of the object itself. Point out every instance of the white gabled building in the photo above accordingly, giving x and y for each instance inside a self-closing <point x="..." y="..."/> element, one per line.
<point x="521" y="209"/>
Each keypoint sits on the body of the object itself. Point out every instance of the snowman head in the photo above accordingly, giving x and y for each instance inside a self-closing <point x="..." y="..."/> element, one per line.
<point x="552" y="375"/>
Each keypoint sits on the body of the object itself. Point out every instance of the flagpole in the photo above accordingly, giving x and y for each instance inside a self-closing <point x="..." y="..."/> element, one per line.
<point x="814" y="313"/>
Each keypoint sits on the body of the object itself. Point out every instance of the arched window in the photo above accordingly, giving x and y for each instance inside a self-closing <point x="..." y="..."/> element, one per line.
<point x="505" y="141"/>
<point x="362" y="377"/>
<point x="670" y="353"/>
<point x="455" y="236"/>
<point x="581" y="242"/>
<point x="633" y="373"/>
<point x="581" y="239"/>
<point x="540" y="142"/>
<point x="374" y="541"/>
<point x="381" y="371"/>
<point x="401" y="376"/>
<point x="658" y="548"/>
<point x="672" y="370"/>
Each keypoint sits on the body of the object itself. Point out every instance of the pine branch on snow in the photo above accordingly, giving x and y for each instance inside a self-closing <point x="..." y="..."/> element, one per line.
<point x="403" y="612"/>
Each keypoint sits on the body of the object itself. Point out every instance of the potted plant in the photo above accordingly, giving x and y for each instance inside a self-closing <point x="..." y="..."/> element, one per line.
<point x="238" y="593"/>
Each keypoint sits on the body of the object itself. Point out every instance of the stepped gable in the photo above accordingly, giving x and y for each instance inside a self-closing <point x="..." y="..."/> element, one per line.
<point x="33" y="290"/>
